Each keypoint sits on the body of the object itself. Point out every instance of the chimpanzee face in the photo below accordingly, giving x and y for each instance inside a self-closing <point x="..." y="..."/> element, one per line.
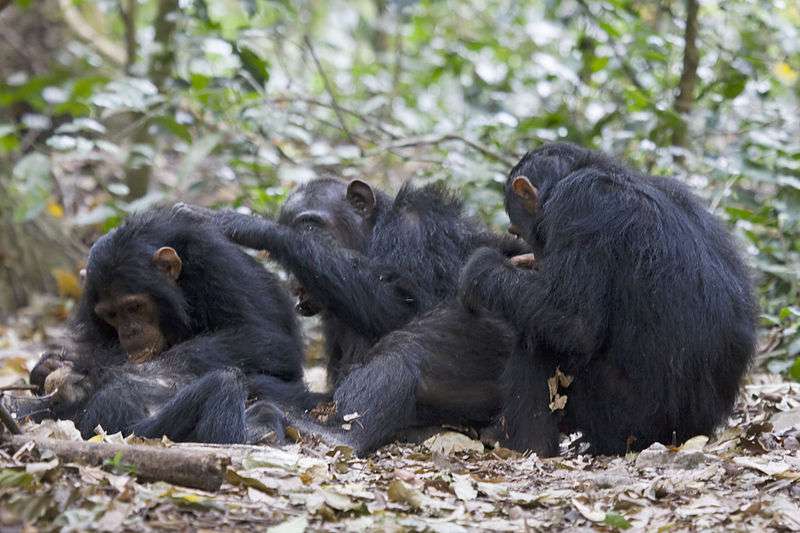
<point x="135" y="319"/>
<point x="135" y="316"/>
<point x="332" y="210"/>
<point x="522" y="206"/>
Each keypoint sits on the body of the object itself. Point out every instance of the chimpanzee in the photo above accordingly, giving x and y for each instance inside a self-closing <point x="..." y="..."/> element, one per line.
<point x="175" y="328"/>
<point x="383" y="273"/>
<point x="637" y="293"/>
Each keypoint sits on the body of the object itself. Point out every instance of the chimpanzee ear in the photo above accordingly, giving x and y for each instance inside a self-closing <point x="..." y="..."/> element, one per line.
<point x="168" y="262"/>
<point x="529" y="194"/>
<point x="361" y="196"/>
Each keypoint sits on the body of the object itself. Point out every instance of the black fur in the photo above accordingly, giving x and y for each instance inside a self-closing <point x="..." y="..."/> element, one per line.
<point x="226" y="319"/>
<point x="639" y="293"/>
<point x="402" y="352"/>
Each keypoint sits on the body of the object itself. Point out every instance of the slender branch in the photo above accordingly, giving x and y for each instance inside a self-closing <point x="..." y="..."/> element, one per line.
<point x="449" y="137"/>
<point x="127" y="11"/>
<point x="686" y="86"/>
<point x="314" y="102"/>
<point x="81" y="28"/>
<point x="331" y="93"/>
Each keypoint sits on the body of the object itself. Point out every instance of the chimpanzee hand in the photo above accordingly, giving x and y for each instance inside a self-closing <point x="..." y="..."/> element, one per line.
<point x="48" y="363"/>
<point x="194" y="213"/>
<point x="225" y="220"/>
<point x="67" y="387"/>
<point x="476" y="278"/>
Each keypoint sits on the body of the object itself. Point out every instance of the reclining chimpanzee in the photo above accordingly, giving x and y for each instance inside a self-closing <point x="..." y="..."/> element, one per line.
<point x="175" y="329"/>
<point x="637" y="292"/>
<point x="383" y="273"/>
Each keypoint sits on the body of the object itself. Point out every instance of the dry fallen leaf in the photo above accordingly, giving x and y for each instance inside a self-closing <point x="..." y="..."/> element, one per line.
<point x="449" y="442"/>
<point x="462" y="486"/>
<point x="399" y="492"/>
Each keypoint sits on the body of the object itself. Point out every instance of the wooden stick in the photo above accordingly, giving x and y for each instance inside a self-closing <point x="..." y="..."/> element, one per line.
<point x="204" y="471"/>
<point x="18" y="387"/>
<point x="8" y="420"/>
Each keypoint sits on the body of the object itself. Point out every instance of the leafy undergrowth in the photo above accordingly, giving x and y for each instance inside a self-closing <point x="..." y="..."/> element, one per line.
<point x="747" y="478"/>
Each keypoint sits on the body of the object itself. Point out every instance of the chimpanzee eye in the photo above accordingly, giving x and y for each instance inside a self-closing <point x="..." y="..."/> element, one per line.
<point x="309" y="223"/>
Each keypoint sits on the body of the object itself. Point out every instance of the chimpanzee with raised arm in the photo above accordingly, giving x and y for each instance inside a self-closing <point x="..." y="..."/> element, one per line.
<point x="638" y="295"/>
<point x="383" y="273"/>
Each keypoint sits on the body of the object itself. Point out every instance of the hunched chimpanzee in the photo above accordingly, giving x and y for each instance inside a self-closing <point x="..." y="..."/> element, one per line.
<point x="383" y="273"/>
<point x="637" y="292"/>
<point x="175" y="329"/>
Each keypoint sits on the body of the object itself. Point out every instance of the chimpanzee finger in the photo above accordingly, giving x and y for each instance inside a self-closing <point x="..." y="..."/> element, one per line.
<point x="523" y="261"/>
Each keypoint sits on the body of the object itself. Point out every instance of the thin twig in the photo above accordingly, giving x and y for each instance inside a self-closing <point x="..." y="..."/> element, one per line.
<point x="314" y="102"/>
<point x="428" y="141"/>
<point x="331" y="93"/>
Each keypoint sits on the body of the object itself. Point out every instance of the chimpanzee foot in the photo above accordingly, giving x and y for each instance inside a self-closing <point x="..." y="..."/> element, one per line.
<point x="265" y="423"/>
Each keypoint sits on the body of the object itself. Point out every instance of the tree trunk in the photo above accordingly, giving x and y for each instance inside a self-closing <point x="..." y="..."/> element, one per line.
<point x="137" y="175"/>
<point x="691" y="58"/>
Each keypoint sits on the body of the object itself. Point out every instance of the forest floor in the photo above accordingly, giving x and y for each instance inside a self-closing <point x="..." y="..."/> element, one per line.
<point x="746" y="478"/>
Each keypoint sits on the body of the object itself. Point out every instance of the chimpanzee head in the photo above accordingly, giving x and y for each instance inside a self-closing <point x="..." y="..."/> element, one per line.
<point x="530" y="182"/>
<point x="341" y="213"/>
<point x="331" y="209"/>
<point x="132" y="298"/>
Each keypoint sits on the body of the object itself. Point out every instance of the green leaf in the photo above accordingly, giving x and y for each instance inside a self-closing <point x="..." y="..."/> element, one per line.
<point x="10" y="477"/>
<point x="254" y="64"/>
<point x="617" y="521"/>
<point x="794" y="370"/>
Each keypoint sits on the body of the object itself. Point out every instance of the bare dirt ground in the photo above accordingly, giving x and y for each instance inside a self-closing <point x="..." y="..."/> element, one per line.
<point x="746" y="478"/>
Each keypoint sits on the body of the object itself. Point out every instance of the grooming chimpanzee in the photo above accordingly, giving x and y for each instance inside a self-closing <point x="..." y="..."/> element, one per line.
<point x="637" y="292"/>
<point x="175" y="327"/>
<point x="383" y="273"/>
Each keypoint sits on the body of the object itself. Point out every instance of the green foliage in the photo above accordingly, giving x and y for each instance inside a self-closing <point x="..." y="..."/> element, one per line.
<point x="115" y="465"/>
<point x="264" y="94"/>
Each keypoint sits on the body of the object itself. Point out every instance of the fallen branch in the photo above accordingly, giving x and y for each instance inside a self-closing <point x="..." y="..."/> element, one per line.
<point x="8" y="421"/>
<point x="17" y="387"/>
<point x="204" y="471"/>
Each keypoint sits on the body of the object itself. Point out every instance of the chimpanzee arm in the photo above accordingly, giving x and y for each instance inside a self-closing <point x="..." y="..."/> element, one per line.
<point x="562" y="303"/>
<point x="368" y="296"/>
<point x="260" y="348"/>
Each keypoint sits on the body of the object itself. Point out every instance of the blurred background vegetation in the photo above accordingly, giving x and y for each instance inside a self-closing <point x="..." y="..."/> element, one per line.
<point x="107" y="106"/>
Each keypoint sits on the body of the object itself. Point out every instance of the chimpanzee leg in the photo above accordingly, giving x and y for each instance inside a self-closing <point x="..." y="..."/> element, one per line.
<point x="116" y="407"/>
<point x="382" y="392"/>
<point x="526" y="422"/>
<point x="209" y="410"/>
